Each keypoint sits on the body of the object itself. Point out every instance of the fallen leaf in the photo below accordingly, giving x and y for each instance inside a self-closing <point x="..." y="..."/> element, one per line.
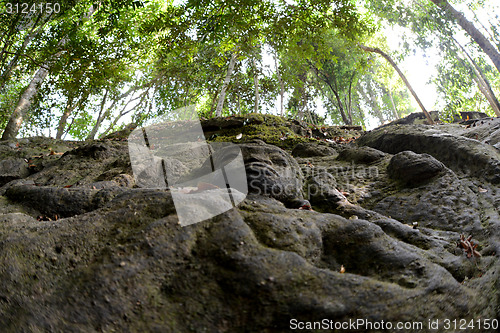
<point x="482" y="190"/>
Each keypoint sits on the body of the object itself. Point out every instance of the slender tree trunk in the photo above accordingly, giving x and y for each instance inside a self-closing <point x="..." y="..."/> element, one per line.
<point x="396" y="115"/>
<point x="62" y="130"/>
<point x="5" y="76"/>
<point x="62" y="122"/>
<point x="23" y="105"/>
<point x="282" y="86"/>
<point x="122" y="112"/>
<point x="256" y="87"/>
<point x="309" y="115"/>
<point x="103" y="115"/>
<point x="222" y="95"/>
<point x="100" y="117"/>
<point x="483" y="42"/>
<point x="213" y="105"/>
<point x="482" y="81"/>
<point x="345" y="115"/>
<point x="345" y="119"/>
<point x="339" y="103"/>
<point x="239" y="104"/>
<point x="300" y="110"/>
<point x="484" y="90"/>
<point x="349" y="104"/>
<point x="480" y="23"/>
<point x="372" y="101"/>
<point x="401" y="75"/>
<point x="334" y="91"/>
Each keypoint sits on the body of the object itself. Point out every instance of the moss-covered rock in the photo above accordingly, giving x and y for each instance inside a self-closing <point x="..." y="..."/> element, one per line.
<point x="83" y="249"/>
<point x="273" y="130"/>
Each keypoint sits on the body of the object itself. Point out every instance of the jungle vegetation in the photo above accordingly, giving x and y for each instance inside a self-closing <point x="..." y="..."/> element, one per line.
<point x="82" y="69"/>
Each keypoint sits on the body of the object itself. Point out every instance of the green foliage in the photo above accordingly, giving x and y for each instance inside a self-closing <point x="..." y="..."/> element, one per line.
<point x="116" y="61"/>
<point x="429" y="26"/>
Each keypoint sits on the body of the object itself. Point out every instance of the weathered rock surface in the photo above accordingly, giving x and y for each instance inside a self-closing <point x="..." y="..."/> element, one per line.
<point x="446" y="143"/>
<point x="116" y="258"/>
<point x="272" y="172"/>
<point x="360" y="155"/>
<point x="11" y="169"/>
<point x="312" y="149"/>
<point x="412" y="168"/>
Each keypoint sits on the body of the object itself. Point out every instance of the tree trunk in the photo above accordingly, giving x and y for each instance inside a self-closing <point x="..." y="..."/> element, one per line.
<point x="4" y="78"/>
<point x="282" y="86"/>
<point x="345" y="119"/>
<point x="401" y="75"/>
<point x="239" y="105"/>
<point x="23" y="105"/>
<point x="122" y="112"/>
<point x="339" y="103"/>
<point x="212" y="104"/>
<point x="372" y="101"/>
<point x="484" y="90"/>
<point x="349" y="104"/>
<point x="68" y="111"/>
<point x="222" y="95"/>
<point x="492" y="38"/>
<point x="100" y="117"/>
<point x="396" y="115"/>
<point x="256" y="87"/>
<point x="482" y="81"/>
<point x="64" y="119"/>
<point x="476" y="35"/>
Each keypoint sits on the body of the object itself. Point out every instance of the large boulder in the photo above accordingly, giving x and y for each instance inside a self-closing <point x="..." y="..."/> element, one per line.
<point x="84" y="249"/>
<point x="129" y="266"/>
<point x="412" y="168"/>
<point x="446" y="143"/>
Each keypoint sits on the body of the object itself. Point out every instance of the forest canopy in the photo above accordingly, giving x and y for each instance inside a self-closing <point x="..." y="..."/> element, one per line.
<point x="82" y="69"/>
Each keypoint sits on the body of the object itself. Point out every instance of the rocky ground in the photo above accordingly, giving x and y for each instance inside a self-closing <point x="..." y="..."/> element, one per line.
<point x="399" y="224"/>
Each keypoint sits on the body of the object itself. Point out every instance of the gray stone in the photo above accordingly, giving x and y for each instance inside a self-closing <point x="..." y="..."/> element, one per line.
<point x="322" y="192"/>
<point x="446" y="143"/>
<point x="412" y="168"/>
<point x="309" y="149"/>
<point x="13" y="168"/>
<point x="272" y="172"/>
<point x="360" y="155"/>
<point x="116" y="259"/>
